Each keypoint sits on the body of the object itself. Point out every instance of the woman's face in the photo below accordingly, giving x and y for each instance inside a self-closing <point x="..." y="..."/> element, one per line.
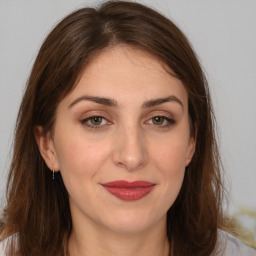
<point x="126" y="120"/>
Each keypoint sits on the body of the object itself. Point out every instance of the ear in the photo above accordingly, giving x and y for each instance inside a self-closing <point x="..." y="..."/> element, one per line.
<point x="46" y="148"/>
<point x="191" y="150"/>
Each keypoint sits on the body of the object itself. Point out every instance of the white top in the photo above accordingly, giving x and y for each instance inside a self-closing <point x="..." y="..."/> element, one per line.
<point x="228" y="245"/>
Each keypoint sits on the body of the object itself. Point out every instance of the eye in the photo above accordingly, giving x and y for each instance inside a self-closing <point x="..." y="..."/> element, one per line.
<point x="95" y="121"/>
<point x="161" y="121"/>
<point x="158" y="120"/>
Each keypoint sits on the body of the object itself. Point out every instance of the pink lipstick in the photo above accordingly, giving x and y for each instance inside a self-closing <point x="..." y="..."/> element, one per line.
<point x="129" y="191"/>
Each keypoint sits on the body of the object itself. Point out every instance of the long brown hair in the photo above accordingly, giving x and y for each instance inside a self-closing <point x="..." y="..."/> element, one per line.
<point x="37" y="206"/>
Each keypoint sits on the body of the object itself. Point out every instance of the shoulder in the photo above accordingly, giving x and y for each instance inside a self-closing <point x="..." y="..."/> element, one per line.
<point x="231" y="245"/>
<point x="6" y="243"/>
<point x="3" y="247"/>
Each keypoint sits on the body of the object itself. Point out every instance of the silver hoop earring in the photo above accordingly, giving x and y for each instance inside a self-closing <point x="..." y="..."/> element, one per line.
<point x="53" y="174"/>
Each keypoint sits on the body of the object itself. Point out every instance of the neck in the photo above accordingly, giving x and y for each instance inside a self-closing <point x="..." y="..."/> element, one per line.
<point x="150" y="242"/>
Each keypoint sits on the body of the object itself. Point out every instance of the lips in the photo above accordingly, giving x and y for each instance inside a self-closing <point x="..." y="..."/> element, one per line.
<point x="129" y="191"/>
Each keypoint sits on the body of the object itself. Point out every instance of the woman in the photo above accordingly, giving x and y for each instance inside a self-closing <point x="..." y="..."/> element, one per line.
<point x="115" y="151"/>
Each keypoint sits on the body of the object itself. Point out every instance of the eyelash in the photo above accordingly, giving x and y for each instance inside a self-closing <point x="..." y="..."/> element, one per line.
<point x="169" y="121"/>
<point x="86" y="122"/>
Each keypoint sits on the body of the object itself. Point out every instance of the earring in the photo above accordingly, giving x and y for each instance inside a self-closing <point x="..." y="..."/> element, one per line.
<point x="53" y="174"/>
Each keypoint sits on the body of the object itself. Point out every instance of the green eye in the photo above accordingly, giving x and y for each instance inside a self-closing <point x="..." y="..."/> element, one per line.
<point x="158" y="120"/>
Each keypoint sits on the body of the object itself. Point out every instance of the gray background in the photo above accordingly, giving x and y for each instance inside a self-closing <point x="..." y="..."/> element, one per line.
<point x="223" y="33"/>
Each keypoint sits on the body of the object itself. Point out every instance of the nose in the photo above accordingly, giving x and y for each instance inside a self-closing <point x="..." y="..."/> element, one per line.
<point x="130" y="149"/>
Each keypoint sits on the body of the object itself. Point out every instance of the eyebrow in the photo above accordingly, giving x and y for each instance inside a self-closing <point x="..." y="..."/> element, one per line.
<point x="103" y="101"/>
<point x="113" y="103"/>
<point x="159" y="101"/>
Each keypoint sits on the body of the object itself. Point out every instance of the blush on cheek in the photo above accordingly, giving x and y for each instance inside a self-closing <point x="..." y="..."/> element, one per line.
<point x="170" y="157"/>
<point x="84" y="158"/>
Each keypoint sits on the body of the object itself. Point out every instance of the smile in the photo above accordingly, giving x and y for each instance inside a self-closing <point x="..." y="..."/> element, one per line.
<point x="129" y="191"/>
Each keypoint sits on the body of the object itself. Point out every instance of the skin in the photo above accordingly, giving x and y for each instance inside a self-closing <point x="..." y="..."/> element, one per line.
<point x="128" y="143"/>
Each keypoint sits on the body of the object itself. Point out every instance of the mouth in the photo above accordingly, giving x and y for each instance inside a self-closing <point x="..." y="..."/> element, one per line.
<point x="129" y="191"/>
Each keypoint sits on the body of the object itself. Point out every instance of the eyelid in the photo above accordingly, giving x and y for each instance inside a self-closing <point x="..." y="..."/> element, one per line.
<point x="87" y="113"/>
<point x="85" y="121"/>
<point x="161" y="112"/>
<point x="170" y="121"/>
<point x="169" y="117"/>
<point x="90" y="113"/>
<point x="91" y="117"/>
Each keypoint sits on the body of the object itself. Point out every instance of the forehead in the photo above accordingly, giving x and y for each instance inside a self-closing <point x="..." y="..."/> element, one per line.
<point x="126" y="73"/>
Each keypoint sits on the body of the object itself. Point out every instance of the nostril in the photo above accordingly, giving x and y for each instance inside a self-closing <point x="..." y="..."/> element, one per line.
<point x="130" y="157"/>
<point x="129" y="147"/>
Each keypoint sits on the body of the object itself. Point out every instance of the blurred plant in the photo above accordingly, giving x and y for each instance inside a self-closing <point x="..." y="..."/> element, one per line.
<point x="243" y="225"/>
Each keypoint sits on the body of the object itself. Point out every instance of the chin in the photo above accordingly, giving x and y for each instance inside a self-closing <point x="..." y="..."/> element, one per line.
<point x="129" y="228"/>
<point x="131" y="223"/>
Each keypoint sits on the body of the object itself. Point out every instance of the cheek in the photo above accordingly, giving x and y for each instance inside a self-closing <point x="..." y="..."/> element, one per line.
<point x="170" y="160"/>
<point x="171" y="163"/>
<point x="170" y="155"/>
<point x="80" y="162"/>
<point x="79" y="156"/>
